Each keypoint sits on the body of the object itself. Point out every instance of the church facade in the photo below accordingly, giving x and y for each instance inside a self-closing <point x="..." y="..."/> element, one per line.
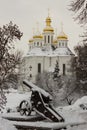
<point x="44" y="50"/>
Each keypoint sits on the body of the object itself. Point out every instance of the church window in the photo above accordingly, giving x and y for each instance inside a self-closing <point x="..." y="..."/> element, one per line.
<point x="45" y="39"/>
<point x="50" y="61"/>
<point x="64" y="69"/>
<point x="51" y="39"/>
<point x="37" y="43"/>
<point x="59" y="44"/>
<point x="48" y="39"/>
<point x="30" y="75"/>
<point x="66" y="44"/>
<point x="62" y="43"/>
<point x="41" y="43"/>
<point x="39" y="67"/>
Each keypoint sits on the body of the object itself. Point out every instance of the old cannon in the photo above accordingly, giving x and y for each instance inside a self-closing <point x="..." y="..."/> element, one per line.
<point x="40" y="102"/>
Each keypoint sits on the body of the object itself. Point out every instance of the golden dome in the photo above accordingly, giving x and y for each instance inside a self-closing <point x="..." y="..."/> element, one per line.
<point x="62" y="36"/>
<point x="38" y="36"/>
<point x="55" y="41"/>
<point x="48" y="27"/>
<point x="31" y="40"/>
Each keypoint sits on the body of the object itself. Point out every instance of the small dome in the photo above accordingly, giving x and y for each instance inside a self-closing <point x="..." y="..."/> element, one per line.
<point x="38" y="36"/>
<point x="55" y="41"/>
<point x="48" y="29"/>
<point x="31" y="40"/>
<point x="62" y="36"/>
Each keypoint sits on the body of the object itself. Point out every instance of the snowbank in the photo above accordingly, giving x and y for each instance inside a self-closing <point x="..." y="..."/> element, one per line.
<point x="82" y="100"/>
<point x="14" y="99"/>
<point x="6" y="125"/>
<point x="78" y="104"/>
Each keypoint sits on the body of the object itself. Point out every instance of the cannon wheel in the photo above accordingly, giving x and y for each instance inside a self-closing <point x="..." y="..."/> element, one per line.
<point x="25" y="108"/>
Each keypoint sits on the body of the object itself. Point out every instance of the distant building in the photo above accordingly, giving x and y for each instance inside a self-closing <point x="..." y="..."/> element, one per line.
<point x="44" y="50"/>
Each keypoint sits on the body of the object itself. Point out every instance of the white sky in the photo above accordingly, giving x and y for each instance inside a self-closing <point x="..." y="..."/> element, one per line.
<point x="26" y="13"/>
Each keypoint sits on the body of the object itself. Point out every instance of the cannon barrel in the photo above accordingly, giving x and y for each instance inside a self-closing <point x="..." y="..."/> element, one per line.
<point x="28" y="84"/>
<point x="34" y="87"/>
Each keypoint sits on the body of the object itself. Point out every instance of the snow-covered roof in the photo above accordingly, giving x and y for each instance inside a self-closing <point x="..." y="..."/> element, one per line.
<point x="36" y="52"/>
<point x="50" y="53"/>
<point x="63" y="51"/>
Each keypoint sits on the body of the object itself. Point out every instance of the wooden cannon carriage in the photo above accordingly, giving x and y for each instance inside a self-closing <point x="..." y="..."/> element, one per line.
<point x="40" y="102"/>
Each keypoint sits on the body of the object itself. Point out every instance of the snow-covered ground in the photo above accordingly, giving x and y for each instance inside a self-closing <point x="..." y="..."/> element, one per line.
<point x="74" y="113"/>
<point x="6" y="125"/>
<point x="14" y="98"/>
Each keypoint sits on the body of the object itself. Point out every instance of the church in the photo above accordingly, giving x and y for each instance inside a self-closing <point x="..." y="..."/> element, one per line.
<point x="44" y="50"/>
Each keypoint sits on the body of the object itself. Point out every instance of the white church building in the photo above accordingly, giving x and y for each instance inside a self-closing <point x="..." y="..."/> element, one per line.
<point x="44" y="50"/>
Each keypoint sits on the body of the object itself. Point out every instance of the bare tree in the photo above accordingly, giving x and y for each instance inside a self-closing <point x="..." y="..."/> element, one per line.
<point x="9" y="60"/>
<point x="79" y="7"/>
<point x="70" y="89"/>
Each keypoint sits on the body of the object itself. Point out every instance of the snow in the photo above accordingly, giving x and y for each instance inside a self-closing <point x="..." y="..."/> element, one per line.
<point x="77" y="105"/>
<point x="6" y="125"/>
<point x="63" y="51"/>
<point x="36" y="51"/>
<point x="51" y="69"/>
<point x="72" y="114"/>
<point x="82" y="100"/>
<point x="14" y="98"/>
<point x="83" y="82"/>
<point x="59" y="51"/>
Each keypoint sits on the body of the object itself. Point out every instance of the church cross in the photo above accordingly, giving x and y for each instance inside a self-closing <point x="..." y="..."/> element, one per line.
<point x="61" y="27"/>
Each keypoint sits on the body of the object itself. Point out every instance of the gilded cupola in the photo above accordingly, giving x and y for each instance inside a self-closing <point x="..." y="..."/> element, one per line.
<point x="62" y="35"/>
<point x="38" y="35"/>
<point x="48" y="27"/>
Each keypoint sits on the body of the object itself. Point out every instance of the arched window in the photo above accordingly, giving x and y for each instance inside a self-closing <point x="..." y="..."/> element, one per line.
<point x="59" y="43"/>
<point x="44" y="39"/>
<point x="66" y="44"/>
<point x="30" y="75"/>
<point x="39" y="67"/>
<point x="41" y="43"/>
<point x="64" y="69"/>
<point x="62" y="43"/>
<point x="37" y="43"/>
<point x="51" y="39"/>
<point x="48" y="39"/>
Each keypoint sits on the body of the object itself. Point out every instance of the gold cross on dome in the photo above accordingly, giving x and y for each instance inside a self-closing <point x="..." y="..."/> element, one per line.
<point x="37" y="26"/>
<point x="48" y="12"/>
<point x="33" y="31"/>
<point x="61" y="27"/>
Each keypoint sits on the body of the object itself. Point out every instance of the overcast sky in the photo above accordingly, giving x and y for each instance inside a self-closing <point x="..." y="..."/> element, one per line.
<point x="26" y="13"/>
